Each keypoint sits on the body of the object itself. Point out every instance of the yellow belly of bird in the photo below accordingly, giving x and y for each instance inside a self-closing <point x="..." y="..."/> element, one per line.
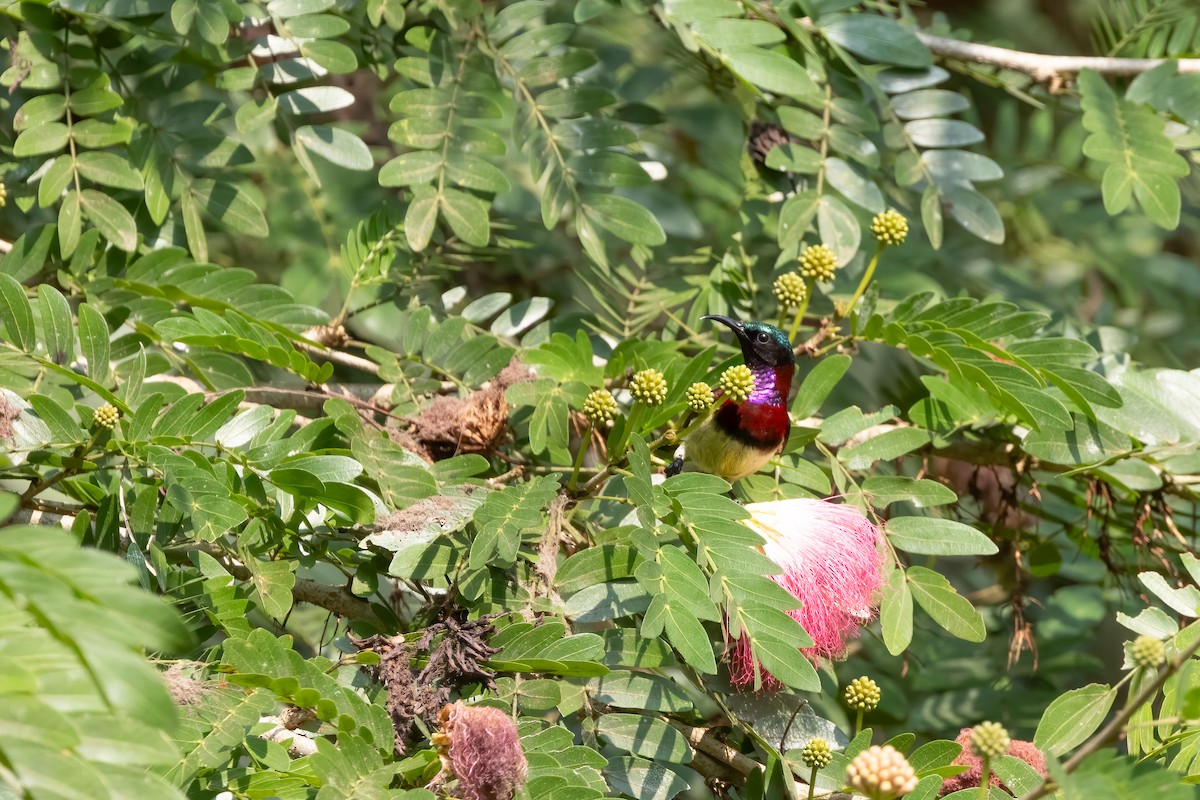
<point x="709" y="449"/>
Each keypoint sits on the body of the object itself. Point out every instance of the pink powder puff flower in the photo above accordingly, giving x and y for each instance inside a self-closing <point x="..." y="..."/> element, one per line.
<point x="480" y="746"/>
<point x="1026" y="751"/>
<point x="832" y="560"/>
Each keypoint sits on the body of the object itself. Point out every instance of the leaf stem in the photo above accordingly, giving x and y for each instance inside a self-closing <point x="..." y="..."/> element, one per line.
<point x="584" y="444"/>
<point x="632" y="422"/>
<point x="825" y="114"/>
<point x="866" y="279"/>
<point x="808" y="290"/>
<point x="678" y="435"/>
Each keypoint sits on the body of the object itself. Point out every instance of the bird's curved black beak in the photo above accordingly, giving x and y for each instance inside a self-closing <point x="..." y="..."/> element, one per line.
<point x="732" y="323"/>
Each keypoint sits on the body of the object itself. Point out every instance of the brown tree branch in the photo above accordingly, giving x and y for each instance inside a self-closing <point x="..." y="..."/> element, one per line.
<point x="337" y="599"/>
<point x="1042" y="66"/>
<point x="703" y="740"/>
<point x="714" y="772"/>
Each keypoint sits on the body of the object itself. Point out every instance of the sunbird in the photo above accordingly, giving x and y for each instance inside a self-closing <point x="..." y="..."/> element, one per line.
<point x="739" y="438"/>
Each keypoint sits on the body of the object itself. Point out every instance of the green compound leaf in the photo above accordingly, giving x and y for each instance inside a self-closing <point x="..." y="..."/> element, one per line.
<point x="1141" y="161"/>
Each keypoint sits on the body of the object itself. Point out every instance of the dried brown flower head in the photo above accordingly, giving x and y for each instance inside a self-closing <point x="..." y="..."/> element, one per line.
<point x="476" y="423"/>
<point x="9" y="414"/>
<point x="479" y="746"/>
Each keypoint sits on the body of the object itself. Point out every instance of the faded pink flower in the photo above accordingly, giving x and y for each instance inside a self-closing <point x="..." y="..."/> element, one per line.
<point x="832" y="559"/>
<point x="970" y="779"/>
<point x="479" y="746"/>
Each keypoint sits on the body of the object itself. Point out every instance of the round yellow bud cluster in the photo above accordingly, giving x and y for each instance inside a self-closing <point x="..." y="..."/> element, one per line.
<point x="816" y="753"/>
<point x="790" y="289"/>
<point x="862" y="694"/>
<point x="699" y="397"/>
<point x="649" y="386"/>
<point x="599" y="407"/>
<point x="989" y="740"/>
<point x="818" y="263"/>
<point x="1147" y="651"/>
<point x="881" y="773"/>
<point x="106" y="416"/>
<point x="737" y="382"/>
<point x="890" y="227"/>
<point x="3" y="195"/>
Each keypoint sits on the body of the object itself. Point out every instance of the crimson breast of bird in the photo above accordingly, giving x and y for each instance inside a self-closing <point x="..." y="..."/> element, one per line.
<point x="743" y="436"/>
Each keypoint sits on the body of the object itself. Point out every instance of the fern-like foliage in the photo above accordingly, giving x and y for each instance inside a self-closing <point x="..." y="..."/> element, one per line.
<point x="140" y="151"/>
<point x="443" y="119"/>
<point x="1145" y="28"/>
<point x="1140" y="161"/>
<point x="627" y="300"/>
<point x="987" y="347"/>
<point x="933" y="157"/>
<point x="373" y="249"/>
<point x="578" y="150"/>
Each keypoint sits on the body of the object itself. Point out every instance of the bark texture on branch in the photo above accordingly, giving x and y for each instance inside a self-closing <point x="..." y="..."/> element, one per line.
<point x="337" y="599"/>
<point x="1045" y="67"/>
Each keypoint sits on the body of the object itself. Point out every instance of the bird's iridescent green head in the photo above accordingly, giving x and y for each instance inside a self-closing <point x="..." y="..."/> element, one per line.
<point x="762" y="344"/>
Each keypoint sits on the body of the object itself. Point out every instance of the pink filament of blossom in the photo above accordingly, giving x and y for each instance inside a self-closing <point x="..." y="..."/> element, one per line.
<point x="485" y="752"/>
<point x="831" y="560"/>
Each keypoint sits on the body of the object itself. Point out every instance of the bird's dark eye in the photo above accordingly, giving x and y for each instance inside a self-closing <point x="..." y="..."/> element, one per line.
<point x="763" y="337"/>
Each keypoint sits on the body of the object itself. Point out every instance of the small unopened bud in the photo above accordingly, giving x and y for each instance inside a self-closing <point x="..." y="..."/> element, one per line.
<point x="648" y="386"/>
<point x="862" y="694"/>
<point x="881" y="773"/>
<point x="989" y="740"/>
<point x="106" y="416"/>
<point x="699" y="397"/>
<point x="599" y="407"/>
<point x="818" y="263"/>
<point x="816" y="754"/>
<point x="890" y="227"/>
<point x="1147" y="651"/>
<point x="790" y="289"/>
<point x="737" y="382"/>
<point x="479" y="746"/>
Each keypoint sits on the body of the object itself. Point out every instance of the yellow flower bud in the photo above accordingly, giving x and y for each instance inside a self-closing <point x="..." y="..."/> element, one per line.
<point x="1147" y="651"/>
<point x="790" y="289"/>
<point x="816" y="753"/>
<point x="862" y="694"/>
<point x="599" y="407"/>
<point x="890" y="227"/>
<point x="106" y="416"/>
<point x="648" y="386"/>
<point x="699" y="397"/>
<point x="990" y="740"/>
<point x="818" y="263"/>
<point x="737" y="382"/>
